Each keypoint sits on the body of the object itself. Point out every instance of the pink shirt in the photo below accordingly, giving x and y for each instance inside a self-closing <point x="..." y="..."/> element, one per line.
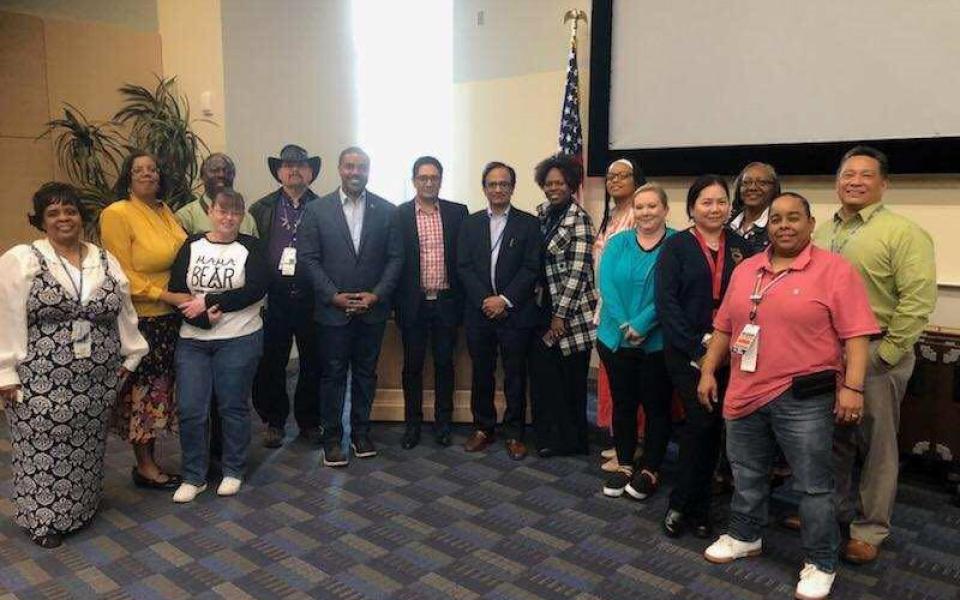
<point x="803" y="320"/>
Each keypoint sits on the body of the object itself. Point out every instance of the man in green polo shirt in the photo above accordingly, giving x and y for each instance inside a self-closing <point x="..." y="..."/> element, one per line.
<point x="216" y="172"/>
<point x="895" y="258"/>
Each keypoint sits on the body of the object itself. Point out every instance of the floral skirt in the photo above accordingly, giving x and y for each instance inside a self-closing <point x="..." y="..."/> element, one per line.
<point x="146" y="406"/>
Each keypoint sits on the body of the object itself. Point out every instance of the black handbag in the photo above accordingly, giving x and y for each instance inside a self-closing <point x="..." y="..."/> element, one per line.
<point x="814" y="384"/>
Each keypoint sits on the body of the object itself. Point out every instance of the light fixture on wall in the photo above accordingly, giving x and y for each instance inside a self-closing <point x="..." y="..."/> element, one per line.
<point x="206" y="104"/>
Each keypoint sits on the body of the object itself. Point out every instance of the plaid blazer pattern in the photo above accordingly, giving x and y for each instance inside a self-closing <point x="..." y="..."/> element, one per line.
<point x="568" y="267"/>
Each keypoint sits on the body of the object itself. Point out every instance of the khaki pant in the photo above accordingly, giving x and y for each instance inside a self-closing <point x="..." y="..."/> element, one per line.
<point x="874" y="443"/>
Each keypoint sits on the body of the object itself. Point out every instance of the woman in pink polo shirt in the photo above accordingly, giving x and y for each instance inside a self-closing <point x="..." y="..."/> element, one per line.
<point x="795" y="323"/>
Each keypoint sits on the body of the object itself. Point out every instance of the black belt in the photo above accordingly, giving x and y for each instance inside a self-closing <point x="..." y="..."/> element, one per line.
<point x="877" y="336"/>
<point x="441" y="295"/>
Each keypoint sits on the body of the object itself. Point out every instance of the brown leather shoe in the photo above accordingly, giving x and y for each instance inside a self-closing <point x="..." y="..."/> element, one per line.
<point x="477" y="441"/>
<point x="516" y="450"/>
<point x="860" y="553"/>
<point x="791" y="522"/>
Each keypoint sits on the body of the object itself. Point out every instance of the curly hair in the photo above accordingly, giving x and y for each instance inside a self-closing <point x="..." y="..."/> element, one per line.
<point x="568" y="166"/>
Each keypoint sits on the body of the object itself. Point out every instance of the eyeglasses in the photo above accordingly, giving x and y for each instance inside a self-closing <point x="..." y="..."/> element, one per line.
<point x="615" y="177"/>
<point x="499" y="185"/>
<point x="764" y="183"/>
<point x="427" y="178"/>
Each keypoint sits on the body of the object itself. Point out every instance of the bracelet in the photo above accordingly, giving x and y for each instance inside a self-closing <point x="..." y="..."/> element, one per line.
<point x="852" y="389"/>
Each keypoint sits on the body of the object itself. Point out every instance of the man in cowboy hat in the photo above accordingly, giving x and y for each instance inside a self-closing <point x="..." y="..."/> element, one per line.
<point x="290" y="301"/>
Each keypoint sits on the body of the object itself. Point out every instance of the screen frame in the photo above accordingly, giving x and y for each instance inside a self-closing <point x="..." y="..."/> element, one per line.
<point x="907" y="156"/>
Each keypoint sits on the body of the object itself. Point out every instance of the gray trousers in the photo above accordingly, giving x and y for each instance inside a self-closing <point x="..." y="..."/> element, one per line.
<point x="873" y="443"/>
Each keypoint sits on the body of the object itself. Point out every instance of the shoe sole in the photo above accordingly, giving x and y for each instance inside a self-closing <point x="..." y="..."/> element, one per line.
<point x="804" y="597"/>
<point x="612" y="492"/>
<point x="368" y="454"/>
<point x="726" y="560"/>
<point x="635" y="494"/>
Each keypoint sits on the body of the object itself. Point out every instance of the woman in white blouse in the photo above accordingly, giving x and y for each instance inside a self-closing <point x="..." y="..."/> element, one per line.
<point x="68" y="340"/>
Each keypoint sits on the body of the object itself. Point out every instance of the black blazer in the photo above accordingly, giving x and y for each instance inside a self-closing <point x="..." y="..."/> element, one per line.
<point x="263" y="211"/>
<point x="408" y="295"/>
<point x="518" y="266"/>
<point x="684" y="289"/>
<point x="333" y="266"/>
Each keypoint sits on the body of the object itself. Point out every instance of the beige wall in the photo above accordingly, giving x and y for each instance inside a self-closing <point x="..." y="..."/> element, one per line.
<point x="45" y="62"/>
<point x="193" y="51"/>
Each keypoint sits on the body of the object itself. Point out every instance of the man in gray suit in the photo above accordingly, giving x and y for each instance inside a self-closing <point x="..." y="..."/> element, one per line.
<point x="353" y="254"/>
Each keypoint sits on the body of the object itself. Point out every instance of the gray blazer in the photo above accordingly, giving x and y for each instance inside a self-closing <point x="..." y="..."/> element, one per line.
<point x="326" y="252"/>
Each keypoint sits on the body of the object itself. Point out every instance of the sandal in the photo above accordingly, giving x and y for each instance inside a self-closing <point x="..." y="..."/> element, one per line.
<point x="139" y="480"/>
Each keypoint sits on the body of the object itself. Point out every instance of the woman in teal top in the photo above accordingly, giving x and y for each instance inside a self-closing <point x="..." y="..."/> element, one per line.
<point x="630" y="344"/>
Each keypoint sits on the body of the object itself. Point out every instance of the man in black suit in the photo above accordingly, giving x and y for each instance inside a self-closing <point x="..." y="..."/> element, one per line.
<point x="498" y="259"/>
<point x="278" y="216"/>
<point x="429" y="302"/>
<point x="351" y="250"/>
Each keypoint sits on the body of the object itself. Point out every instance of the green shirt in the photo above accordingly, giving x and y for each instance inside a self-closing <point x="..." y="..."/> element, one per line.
<point x="895" y="258"/>
<point x="193" y="218"/>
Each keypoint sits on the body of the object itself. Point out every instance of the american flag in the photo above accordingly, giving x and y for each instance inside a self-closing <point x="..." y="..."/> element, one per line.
<point x="571" y="134"/>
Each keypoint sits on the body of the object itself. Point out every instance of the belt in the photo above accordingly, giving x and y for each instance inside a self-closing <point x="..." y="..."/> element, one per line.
<point x="441" y="295"/>
<point x="877" y="336"/>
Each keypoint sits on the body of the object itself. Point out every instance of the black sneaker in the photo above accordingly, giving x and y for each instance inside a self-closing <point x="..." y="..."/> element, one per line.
<point x="641" y="486"/>
<point x="363" y="447"/>
<point x="333" y="455"/>
<point x="312" y="435"/>
<point x="615" y="484"/>
<point x="273" y="437"/>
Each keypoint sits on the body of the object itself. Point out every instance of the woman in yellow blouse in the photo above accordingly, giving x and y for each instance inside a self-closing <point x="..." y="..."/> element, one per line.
<point x="141" y="231"/>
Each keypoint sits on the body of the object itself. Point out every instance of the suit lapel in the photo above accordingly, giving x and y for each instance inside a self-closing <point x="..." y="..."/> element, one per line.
<point x="369" y="214"/>
<point x="558" y="243"/>
<point x="505" y="244"/>
<point x="412" y="224"/>
<point x="485" y="245"/>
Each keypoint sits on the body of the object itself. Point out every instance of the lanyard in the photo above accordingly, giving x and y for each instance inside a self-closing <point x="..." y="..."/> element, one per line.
<point x="757" y="296"/>
<point x="285" y="218"/>
<point x="715" y="265"/>
<point x="76" y="288"/>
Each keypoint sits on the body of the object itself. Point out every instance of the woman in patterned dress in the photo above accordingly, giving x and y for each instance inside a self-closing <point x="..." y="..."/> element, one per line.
<point x="68" y="339"/>
<point x="144" y="235"/>
<point x="623" y="178"/>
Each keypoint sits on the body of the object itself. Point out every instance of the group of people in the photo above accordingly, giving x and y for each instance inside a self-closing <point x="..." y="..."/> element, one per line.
<point x="180" y="318"/>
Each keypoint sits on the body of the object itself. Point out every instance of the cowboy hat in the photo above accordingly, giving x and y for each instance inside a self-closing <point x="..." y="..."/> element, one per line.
<point x="293" y="153"/>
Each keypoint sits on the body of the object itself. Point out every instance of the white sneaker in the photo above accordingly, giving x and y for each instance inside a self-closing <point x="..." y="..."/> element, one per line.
<point x="814" y="584"/>
<point x="187" y="492"/>
<point x="728" y="549"/>
<point x="229" y="486"/>
<point x="609" y="453"/>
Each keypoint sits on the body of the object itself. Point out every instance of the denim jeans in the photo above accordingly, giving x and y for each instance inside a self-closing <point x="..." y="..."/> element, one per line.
<point x="226" y="367"/>
<point x="804" y="430"/>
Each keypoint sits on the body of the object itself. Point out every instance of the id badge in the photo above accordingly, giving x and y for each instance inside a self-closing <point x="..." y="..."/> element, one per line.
<point x="81" y="339"/>
<point x="288" y="261"/>
<point x="746" y="346"/>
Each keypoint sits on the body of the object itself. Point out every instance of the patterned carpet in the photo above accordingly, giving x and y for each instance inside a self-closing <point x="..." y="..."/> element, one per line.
<point x="433" y="523"/>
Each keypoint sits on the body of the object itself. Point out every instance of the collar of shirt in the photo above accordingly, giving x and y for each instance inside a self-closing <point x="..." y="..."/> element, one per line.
<point x="493" y="215"/>
<point x="865" y="213"/>
<point x="289" y="201"/>
<point x="420" y="207"/>
<point x="760" y="222"/>
<point x="344" y="198"/>
<point x="800" y="263"/>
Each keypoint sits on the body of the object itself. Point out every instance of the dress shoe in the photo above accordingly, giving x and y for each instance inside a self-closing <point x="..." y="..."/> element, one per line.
<point x="478" y="440"/>
<point x="139" y="480"/>
<point x="791" y="522"/>
<point x="442" y="438"/>
<point x="674" y="523"/>
<point x="860" y="553"/>
<point x="48" y="541"/>
<point x="411" y="437"/>
<point x="701" y="527"/>
<point x="547" y="453"/>
<point x="273" y="437"/>
<point x="363" y="447"/>
<point x="516" y="449"/>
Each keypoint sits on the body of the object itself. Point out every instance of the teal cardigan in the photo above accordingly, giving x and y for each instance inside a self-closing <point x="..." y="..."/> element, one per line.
<point x="627" y="276"/>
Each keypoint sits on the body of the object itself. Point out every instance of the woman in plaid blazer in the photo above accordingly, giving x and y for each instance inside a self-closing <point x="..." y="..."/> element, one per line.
<point x="560" y="358"/>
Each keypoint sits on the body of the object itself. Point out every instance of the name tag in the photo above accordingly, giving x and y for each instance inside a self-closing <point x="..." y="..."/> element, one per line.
<point x="82" y="347"/>
<point x="746" y="346"/>
<point x="288" y="261"/>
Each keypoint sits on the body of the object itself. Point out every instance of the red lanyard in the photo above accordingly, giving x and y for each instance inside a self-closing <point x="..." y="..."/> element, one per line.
<point x="716" y="265"/>
<point x="757" y="296"/>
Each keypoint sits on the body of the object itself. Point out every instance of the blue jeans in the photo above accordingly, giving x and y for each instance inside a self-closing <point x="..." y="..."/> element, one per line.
<point x="226" y="367"/>
<point x="354" y="347"/>
<point x="804" y="430"/>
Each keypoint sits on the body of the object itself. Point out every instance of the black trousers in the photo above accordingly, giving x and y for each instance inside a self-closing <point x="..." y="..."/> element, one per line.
<point x="429" y="325"/>
<point x="638" y="378"/>
<point x="288" y="317"/>
<point x="699" y="437"/>
<point x="558" y="390"/>
<point x="484" y="341"/>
